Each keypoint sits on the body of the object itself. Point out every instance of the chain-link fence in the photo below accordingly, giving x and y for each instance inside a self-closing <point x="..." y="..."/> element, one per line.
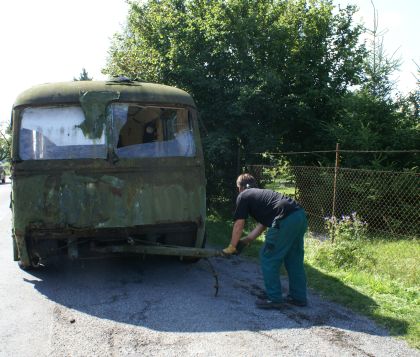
<point x="388" y="201"/>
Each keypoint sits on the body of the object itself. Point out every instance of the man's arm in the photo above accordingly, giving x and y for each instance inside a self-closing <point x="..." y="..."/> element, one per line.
<point x="237" y="230"/>
<point x="256" y="232"/>
<point x="244" y="242"/>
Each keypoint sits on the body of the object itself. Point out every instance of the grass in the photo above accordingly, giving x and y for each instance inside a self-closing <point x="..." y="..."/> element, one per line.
<point x="383" y="283"/>
<point x="279" y="187"/>
<point x="391" y="281"/>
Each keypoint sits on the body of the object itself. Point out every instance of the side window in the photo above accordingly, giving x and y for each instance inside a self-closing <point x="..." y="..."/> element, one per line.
<point x="151" y="131"/>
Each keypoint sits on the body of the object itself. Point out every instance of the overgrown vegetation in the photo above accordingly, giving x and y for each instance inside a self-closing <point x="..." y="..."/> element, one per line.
<point x="345" y="233"/>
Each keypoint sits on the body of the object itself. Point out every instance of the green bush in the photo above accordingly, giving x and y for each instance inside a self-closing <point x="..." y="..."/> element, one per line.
<point x="345" y="248"/>
<point x="343" y="255"/>
<point x="346" y="228"/>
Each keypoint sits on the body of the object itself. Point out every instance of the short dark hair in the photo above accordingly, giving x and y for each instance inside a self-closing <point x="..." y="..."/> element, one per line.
<point x="246" y="181"/>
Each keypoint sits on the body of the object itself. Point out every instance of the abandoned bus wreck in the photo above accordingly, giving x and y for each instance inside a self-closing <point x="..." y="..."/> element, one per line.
<point x="106" y="167"/>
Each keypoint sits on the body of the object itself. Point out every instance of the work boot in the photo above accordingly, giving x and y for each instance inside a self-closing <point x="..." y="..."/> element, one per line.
<point x="292" y="301"/>
<point x="268" y="304"/>
<point x="261" y="295"/>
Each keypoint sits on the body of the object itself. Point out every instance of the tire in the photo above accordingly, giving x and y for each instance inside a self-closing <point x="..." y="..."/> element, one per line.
<point x="25" y="267"/>
<point x="32" y="266"/>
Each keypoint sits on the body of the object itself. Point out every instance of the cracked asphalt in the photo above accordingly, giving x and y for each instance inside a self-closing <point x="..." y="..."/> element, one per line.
<point x="163" y="307"/>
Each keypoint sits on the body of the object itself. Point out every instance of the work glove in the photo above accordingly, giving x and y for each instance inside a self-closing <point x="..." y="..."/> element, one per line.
<point x="230" y="250"/>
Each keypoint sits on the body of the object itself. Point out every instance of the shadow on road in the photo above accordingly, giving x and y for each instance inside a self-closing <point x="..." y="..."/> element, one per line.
<point x="165" y="294"/>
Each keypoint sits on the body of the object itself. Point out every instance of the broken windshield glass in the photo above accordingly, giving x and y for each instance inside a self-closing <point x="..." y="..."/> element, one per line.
<point x="151" y="131"/>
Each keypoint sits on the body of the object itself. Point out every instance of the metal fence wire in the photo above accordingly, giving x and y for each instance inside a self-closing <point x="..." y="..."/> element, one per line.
<point x="388" y="201"/>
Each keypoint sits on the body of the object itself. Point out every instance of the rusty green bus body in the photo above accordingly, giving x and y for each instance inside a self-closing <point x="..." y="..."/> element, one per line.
<point x="89" y="206"/>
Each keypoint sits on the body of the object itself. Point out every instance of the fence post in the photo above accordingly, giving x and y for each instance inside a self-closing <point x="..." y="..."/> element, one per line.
<point x="238" y="158"/>
<point x="337" y="149"/>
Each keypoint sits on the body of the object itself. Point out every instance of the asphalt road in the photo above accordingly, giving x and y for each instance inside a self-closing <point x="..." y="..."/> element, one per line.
<point x="162" y="307"/>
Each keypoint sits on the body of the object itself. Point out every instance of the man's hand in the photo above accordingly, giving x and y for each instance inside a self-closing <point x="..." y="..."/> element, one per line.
<point x="229" y="250"/>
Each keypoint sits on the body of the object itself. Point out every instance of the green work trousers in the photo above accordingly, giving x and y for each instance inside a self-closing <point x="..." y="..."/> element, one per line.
<point x="284" y="242"/>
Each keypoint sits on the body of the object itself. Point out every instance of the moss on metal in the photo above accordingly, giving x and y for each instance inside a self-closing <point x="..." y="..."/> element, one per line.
<point x="69" y="93"/>
<point x="94" y="106"/>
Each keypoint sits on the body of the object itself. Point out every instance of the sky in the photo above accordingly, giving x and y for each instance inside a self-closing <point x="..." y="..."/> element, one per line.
<point x="45" y="41"/>
<point x="400" y="23"/>
<point x="52" y="40"/>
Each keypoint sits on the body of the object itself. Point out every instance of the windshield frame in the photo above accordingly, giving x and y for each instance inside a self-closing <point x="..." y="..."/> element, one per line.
<point x="111" y="152"/>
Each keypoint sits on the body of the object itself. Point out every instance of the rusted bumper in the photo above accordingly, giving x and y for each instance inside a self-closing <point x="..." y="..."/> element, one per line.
<point x="161" y="250"/>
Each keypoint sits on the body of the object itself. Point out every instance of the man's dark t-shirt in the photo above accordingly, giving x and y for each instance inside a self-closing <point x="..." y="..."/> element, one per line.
<point x="264" y="205"/>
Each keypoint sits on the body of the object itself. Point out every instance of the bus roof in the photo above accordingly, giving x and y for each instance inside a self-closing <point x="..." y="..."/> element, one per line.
<point x="130" y="91"/>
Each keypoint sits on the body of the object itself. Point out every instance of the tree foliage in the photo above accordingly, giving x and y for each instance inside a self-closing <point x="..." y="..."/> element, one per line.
<point x="264" y="74"/>
<point x="83" y="76"/>
<point x="5" y="143"/>
<point x="268" y="76"/>
<point x="372" y="117"/>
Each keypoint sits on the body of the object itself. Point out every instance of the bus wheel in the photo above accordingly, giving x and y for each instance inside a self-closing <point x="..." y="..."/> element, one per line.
<point x="33" y="265"/>
<point x="24" y="266"/>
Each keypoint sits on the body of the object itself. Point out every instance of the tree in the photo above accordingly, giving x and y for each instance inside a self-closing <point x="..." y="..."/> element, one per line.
<point x="84" y="76"/>
<point x="264" y="74"/>
<point x="373" y="117"/>
<point x="5" y="144"/>
<point x="413" y="99"/>
<point x="379" y="66"/>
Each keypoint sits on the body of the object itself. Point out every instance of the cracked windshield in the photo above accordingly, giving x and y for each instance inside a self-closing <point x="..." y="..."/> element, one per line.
<point x="55" y="133"/>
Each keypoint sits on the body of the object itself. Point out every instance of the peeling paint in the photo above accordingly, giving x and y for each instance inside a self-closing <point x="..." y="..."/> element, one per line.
<point x="94" y="106"/>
